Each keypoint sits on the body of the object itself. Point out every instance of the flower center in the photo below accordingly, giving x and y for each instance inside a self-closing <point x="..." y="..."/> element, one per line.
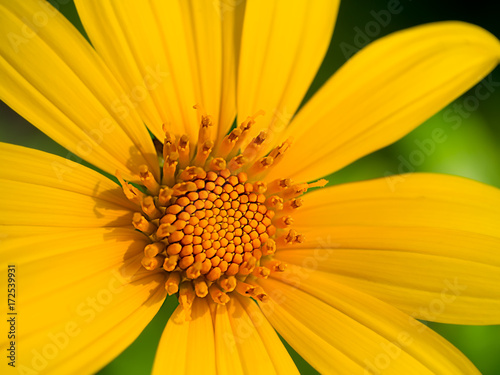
<point x="213" y="225"/>
<point x="216" y="228"/>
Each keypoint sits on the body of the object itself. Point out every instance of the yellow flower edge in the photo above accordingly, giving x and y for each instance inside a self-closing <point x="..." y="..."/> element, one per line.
<point x="378" y="254"/>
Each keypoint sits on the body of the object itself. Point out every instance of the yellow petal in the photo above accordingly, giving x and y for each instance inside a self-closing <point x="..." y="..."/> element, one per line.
<point x="30" y="204"/>
<point x="232" y="15"/>
<point x="203" y="30"/>
<point x="353" y="331"/>
<point x="281" y="359"/>
<point x="428" y="245"/>
<point x="36" y="167"/>
<point x="187" y="347"/>
<point x="82" y="296"/>
<point x="34" y="192"/>
<point x="228" y="358"/>
<point x="241" y="346"/>
<point x="54" y="79"/>
<point x="283" y="44"/>
<point x="145" y="45"/>
<point x="384" y="92"/>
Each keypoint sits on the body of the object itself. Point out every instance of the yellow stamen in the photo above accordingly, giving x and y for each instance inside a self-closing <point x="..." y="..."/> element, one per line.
<point x="259" y="293"/>
<point x="164" y="196"/>
<point x="283" y="221"/>
<point x="186" y="297"/>
<point x="149" y="208"/>
<point x="262" y="272"/>
<point x="204" y="131"/>
<point x="131" y="192"/>
<point x="299" y="189"/>
<point x="172" y="284"/>
<point x="217" y="164"/>
<point x="275" y="202"/>
<point x="194" y="271"/>
<point x="292" y="205"/>
<point x="169" y="167"/>
<point x="245" y="127"/>
<point x="244" y="289"/>
<point x="170" y="263"/>
<point x="261" y="165"/>
<point x="279" y="185"/>
<point x="236" y="163"/>
<point x="275" y="265"/>
<point x="152" y="263"/>
<point x="227" y="283"/>
<point x="140" y="223"/>
<point x="183" y="151"/>
<point x="203" y="152"/>
<point x="228" y="143"/>
<point x="254" y="146"/>
<point x="201" y="287"/>
<point x="164" y="230"/>
<point x="148" y="180"/>
<point x="279" y="151"/>
<point x="218" y="295"/>
<point x="153" y="249"/>
<point x="269" y="247"/>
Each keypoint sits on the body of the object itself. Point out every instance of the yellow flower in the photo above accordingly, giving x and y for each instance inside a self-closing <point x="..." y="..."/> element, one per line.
<point x="342" y="273"/>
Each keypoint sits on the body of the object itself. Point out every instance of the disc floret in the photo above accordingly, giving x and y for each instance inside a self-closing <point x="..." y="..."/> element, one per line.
<point x="213" y="225"/>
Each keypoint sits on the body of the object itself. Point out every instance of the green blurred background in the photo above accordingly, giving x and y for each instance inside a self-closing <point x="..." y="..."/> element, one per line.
<point x="470" y="149"/>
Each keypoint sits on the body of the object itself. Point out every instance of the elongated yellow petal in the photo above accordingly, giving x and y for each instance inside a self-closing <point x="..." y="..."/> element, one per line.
<point x="30" y="204"/>
<point x="203" y="30"/>
<point x="82" y="295"/>
<point x="40" y="189"/>
<point x="283" y="44"/>
<point x="282" y="361"/>
<point x="231" y="339"/>
<point x="384" y="92"/>
<point x="146" y="48"/>
<point x="428" y="245"/>
<point x="53" y="78"/>
<point x="36" y="167"/>
<point x="170" y="56"/>
<point x="240" y="346"/>
<point x="187" y="346"/>
<point x="351" y="332"/>
<point x="228" y="358"/>
<point x="231" y="15"/>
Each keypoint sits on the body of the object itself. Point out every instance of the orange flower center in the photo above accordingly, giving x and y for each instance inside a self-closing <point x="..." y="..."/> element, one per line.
<point x="216" y="229"/>
<point x="213" y="228"/>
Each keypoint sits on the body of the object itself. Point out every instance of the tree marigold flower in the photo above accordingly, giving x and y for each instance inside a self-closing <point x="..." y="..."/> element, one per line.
<point x="225" y="206"/>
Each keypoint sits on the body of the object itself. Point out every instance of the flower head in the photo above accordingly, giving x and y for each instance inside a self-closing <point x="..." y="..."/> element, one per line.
<point x="236" y="221"/>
